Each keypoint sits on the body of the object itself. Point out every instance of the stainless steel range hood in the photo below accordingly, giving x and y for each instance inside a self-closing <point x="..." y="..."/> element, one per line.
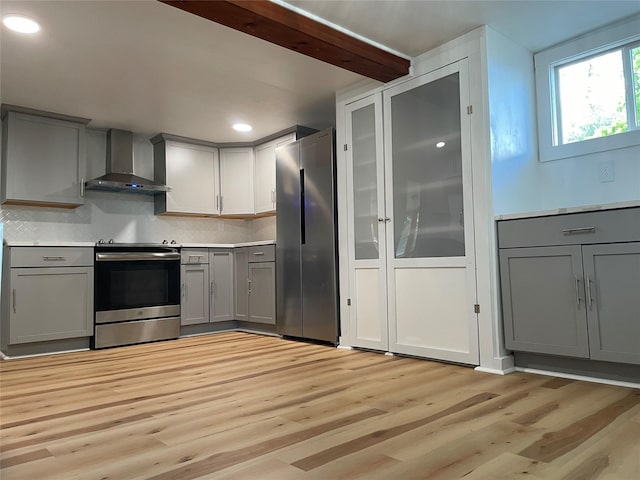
<point x="119" y="176"/>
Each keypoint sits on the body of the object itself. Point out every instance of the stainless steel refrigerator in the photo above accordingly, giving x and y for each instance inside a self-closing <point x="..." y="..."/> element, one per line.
<point x="306" y="239"/>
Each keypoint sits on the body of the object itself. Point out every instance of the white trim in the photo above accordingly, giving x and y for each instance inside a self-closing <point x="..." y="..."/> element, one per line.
<point x="7" y="357"/>
<point x="323" y="21"/>
<point x="495" y="371"/>
<point x="344" y="347"/>
<point x="545" y="63"/>
<point x="583" y="378"/>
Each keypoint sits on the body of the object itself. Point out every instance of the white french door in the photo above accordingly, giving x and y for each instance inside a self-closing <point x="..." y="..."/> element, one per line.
<point x="430" y="242"/>
<point x="366" y="224"/>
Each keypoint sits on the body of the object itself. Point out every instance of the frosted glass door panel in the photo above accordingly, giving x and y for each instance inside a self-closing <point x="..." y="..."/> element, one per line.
<point x="365" y="194"/>
<point x="427" y="170"/>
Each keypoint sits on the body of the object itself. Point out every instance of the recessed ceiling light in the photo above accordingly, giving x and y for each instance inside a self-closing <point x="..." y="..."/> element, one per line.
<point x="19" y="23"/>
<point x="242" y="127"/>
<point x="440" y="144"/>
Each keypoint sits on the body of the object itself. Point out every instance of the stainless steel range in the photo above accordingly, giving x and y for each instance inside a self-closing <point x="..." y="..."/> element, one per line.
<point x="137" y="293"/>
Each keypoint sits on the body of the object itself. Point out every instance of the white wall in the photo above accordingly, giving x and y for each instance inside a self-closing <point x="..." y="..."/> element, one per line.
<point x="520" y="182"/>
<point x="123" y="217"/>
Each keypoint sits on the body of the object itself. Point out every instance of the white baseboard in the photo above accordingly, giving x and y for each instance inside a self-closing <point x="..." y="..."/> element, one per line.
<point x="583" y="378"/>
<point x="344" y="347"/>
<point x="7" y="357"/>
<point x="495" y="371"/>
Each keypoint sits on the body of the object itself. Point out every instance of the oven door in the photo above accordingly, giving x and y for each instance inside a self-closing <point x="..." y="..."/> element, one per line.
<point x="136" y="285"/>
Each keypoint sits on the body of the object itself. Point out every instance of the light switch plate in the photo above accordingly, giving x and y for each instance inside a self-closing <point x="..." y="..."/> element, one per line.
<point x="606" y="171"/>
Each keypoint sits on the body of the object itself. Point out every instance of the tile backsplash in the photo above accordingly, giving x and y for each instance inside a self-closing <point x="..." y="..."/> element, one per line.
<point x="123" y="217"/>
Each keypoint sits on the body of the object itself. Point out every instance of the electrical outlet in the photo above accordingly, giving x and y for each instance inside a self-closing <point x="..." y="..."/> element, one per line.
<point x="606" y="171"/>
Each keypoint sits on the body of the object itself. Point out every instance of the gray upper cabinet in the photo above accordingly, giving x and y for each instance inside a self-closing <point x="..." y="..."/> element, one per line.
<point x="49" y="293"/>
<point x="265" y="173"/>
<point x="612" y="284"/>
<point x="543" y="303"/>
<point x="579" y="296"/>
<point x="191" y="171"/>
<point x="221" y="285"/>
<point x="43" y="158"/>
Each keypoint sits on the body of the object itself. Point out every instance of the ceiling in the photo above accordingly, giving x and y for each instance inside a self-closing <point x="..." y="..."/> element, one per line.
<point x="148" y="67"/>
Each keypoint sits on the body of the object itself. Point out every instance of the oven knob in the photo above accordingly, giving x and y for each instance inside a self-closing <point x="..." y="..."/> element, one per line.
<point x="164" y="242"/>
<point x="100" y="242"/>
<point x="110" y="241"/>
<point x="173" y="242"/>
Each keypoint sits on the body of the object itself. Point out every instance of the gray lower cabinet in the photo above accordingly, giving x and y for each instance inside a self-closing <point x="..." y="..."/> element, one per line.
<point x="43" y="158"/>
<point x="221" y="285"/>
<point x="543" y="304"/>
<point x="262" y="292"/>
<point x="579" y="296"/>
<point x="242" y="283"/>
<point x="194" y="305"/>
<point x="48" y="294"/>
<point x="256" y="284"/>
<point x="612" y="284"/>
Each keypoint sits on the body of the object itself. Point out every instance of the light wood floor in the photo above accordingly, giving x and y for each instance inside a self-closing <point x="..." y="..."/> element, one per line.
<point x="242" y="406"/>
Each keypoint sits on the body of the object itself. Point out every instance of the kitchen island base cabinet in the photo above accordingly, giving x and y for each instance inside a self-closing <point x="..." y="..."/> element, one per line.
<point x="579" y="296"/>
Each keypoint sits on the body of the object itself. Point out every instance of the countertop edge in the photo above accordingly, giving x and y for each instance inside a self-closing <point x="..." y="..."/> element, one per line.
<point x="562" y="211"/>
<point x="12" y="243"/>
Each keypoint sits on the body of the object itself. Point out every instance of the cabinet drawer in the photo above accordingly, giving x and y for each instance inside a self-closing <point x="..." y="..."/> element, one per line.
<point x="51" y="256"/>
<point x="191" y="256"/>
<point x="263" y="253"/>
<point x="604" y="226"/>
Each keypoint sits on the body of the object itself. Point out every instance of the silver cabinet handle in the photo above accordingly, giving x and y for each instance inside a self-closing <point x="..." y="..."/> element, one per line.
<point x="577" y="290"/>
<point x="258" y="253"/>
<point x="82" y="187"/>
<point x="249" y="284"/>
<point x="569" y="231"/>
<point x="13" y="295"/>
<point x="184" y="288"/>
<point x="273" y="195"/>
<point x="381" y="220"/>
<point x="50" y="258"/>
<point x="588" y="288"/>
<point x="387" y="219"/>
<point x="211" y="289"/>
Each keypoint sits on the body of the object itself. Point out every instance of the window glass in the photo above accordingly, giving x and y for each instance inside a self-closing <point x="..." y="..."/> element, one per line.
<point x="591" y="98"/>
<point x="635" y="65"/>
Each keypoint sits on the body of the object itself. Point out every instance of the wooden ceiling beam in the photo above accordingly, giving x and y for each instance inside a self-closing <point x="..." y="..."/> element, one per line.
<point x="277" y="24"/>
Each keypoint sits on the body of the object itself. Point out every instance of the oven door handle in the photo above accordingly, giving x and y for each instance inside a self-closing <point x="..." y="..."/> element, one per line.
<point x="137" y="256"/>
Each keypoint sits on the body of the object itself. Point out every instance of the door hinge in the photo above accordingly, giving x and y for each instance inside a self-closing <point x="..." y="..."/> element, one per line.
<point x="469" y="109"/>
<point x="348" y="302"/>
<point x="345" y="147"/>
<point x="476" y="308"/>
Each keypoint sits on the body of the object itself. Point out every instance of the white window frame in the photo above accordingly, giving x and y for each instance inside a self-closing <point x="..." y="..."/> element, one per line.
<point x="545" y="62"/>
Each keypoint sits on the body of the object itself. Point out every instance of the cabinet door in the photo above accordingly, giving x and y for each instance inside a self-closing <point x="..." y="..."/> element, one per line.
<point x="543" y="300"/>
<point x="429" y="204"/>
<point x="192" y="174"/>
<point x="194" y="307"/>
<point x="367" y="225"/>
<point x="44" y="161"/>
<point x="221" y="278"/>
<point x="612" y="282"/>
<point x="50" y="303"/>
<point x="262" y="292"/>
<point x="242" y="283"/>
<point x="265" y="174"/>
<point x="236" y="181"/>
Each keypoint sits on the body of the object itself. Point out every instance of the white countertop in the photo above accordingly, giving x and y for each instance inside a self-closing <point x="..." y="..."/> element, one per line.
<point x="228" y="245"/>
<point x="49" y="244"/>
<point x="184" y="245"/>
<point x="559" y="211"/>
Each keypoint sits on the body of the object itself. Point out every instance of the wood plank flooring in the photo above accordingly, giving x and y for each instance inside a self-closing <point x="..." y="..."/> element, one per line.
<point x="243" y="406"/>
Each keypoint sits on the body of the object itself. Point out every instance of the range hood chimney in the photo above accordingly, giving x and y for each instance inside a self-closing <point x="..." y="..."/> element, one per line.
<point x="119" y="176"/>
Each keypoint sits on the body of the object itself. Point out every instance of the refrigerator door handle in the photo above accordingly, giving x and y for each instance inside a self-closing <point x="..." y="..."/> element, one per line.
<point x="302" y="207"/>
